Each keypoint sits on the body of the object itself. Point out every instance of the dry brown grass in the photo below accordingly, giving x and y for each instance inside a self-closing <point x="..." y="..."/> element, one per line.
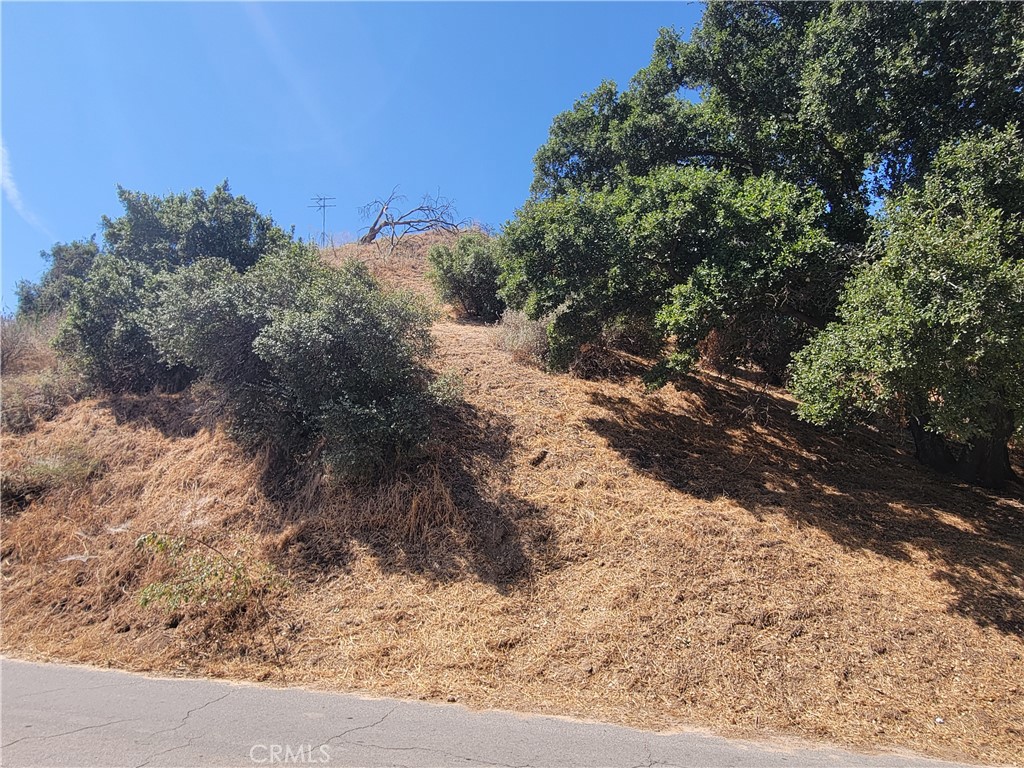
<point x="525" y="339"/>
<point x="25" y="344"/>
<point x="29" y="398"/>
<point x="404" y="268"/>
<point x="35" y="386"/>
<point x="692" y="557"/>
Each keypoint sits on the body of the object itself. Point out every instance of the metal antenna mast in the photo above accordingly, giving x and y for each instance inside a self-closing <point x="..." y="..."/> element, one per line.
<point x="322" y="204"/>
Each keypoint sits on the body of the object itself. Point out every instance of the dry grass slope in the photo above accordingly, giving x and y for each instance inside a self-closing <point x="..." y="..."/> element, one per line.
<point x="693" y="557"/>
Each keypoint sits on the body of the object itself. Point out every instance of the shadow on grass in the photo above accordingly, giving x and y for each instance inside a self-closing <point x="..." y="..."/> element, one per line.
<point x="438" y="517"/>
<point x="172" y="414"/>
<point x="864" y="492"/>
<point x="441" y="518"/>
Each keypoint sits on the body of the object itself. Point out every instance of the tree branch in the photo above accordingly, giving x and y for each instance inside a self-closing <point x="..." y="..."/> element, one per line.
<point x="433" y="213"/>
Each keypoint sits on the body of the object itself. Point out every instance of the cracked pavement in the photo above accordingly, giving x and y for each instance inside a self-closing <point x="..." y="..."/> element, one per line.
<point x="57" y="715"/>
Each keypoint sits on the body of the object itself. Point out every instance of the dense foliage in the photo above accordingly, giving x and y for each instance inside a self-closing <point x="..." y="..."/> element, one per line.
<point x="740" y="217"/>
<point x="68" y="265"/>
<point x="850" y="98"/>
<point x="164" y="233"/>
<point x="466" y="275"/>
<point x="104" y="329"/>
<point x="108" y="296"/>
<point x="320" y="363"/>
<point x="844" y="204"/>
<point x="686" y="250"/>
<point x="932" y="331"/>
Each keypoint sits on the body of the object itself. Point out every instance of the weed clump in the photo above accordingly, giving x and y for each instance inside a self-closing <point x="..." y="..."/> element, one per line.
<point x="36" y="384"/>
<point x="526" y="339"/>
<point x="69" y="467"/>
<point x="25" y="343"/>
<point x="202" y="574"/>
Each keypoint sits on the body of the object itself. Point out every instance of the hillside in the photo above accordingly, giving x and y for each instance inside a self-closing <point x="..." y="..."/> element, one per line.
<point x="692" y="557"/>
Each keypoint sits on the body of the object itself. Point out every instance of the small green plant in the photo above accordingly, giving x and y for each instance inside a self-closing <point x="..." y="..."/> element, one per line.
<point x="447" y="389"/>
<point x="467" y="276"/>
<point x="203" y="575"/>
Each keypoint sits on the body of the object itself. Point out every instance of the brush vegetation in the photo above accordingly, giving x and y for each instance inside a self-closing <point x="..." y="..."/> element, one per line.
<point x="319" y="364"/>
<point x="690" y="557"/>
<point x="466" y="275"/>
<point x="36" y="383"/>
<point x="732" y="225"/>
<point x="673" y="484"/>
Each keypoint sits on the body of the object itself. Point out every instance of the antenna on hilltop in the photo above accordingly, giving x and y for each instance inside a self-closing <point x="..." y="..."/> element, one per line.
<point x="322" y="204"/>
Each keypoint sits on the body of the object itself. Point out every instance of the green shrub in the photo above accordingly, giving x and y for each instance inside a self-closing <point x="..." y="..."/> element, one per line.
<point x="679" y="253"/>
<point x="109" y="295"/>
<point x="322" y="364"/>
<point x="68" y="265"/>
<point x="932" y="330"/>
<point x="467" y="276"/>
<point x="104" y="331"/>
<point x="164" y="233"/>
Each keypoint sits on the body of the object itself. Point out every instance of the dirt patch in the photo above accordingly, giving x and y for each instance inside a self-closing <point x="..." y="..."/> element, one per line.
<point x="692" y="557"/>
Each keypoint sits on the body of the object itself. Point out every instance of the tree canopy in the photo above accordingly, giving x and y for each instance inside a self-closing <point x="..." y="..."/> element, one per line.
<point x="164" y="233"/>
<point x="932" y="330"/>
<point x="68" y="264"/>
<point x="852" y="98"/>
<point x="828" y="142"/>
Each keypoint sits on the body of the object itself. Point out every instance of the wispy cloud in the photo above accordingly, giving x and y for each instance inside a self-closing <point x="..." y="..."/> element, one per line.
<point x="13" y="195"/>
<point x="298" y="81"/>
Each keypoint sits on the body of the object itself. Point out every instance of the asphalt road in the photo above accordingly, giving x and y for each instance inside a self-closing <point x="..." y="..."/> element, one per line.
<point x="55" y="715"/>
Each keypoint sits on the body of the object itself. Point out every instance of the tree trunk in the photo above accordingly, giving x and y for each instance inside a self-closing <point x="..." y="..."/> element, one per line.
<point x="984" y="461"/>
<point x="987" y="459"/>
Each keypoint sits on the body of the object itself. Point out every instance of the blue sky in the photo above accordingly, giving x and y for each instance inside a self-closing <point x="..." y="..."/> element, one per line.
<point x="290" y="100"/>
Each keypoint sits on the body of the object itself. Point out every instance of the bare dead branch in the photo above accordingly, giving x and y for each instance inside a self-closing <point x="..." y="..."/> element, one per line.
<point x="434" y="213"/>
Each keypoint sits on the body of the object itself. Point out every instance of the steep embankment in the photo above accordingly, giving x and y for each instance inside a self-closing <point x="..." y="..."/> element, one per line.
<point x="690" y="557"/>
